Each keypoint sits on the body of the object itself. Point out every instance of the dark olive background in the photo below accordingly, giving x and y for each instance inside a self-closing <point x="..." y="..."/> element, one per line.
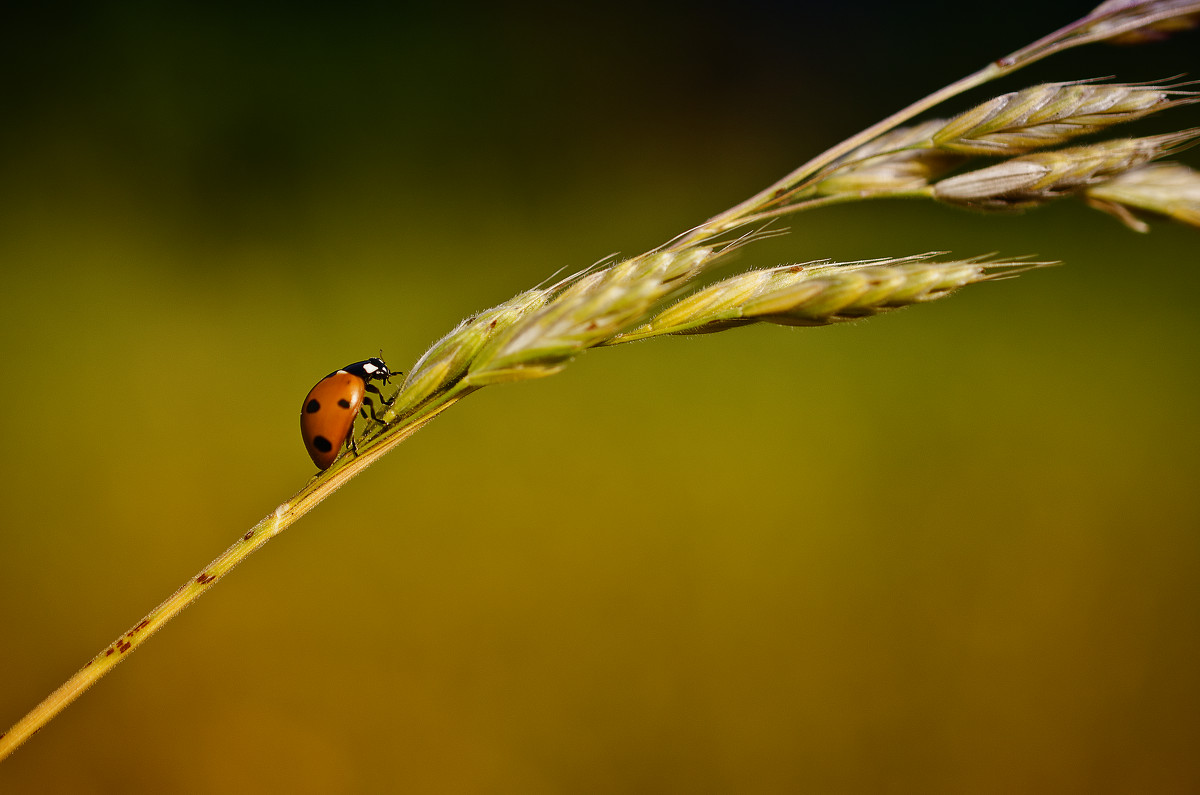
<point x="950" y="550"/>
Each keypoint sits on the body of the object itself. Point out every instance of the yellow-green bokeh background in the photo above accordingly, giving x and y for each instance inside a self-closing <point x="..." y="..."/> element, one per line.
<point x="951" y="550"/>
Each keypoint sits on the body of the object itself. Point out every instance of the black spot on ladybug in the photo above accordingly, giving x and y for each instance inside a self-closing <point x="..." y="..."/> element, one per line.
<point x="313" y="406"/>
<point x="322" y="444"/>
<point x="343" y="403"/>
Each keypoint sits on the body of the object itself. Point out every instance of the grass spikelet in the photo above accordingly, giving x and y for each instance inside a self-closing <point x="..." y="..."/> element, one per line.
<point x="1052" y="114"/>
<point x="1168" y="189"/>
<point x="1114" y="21"/>
<point x="910" y="158"/>
<point x="589" y="311"/>
<point x="1158" y="19"/>
<point x="819" y="294"/>
<point x="897" y="162"/>
<point x="1030" y="180"/>
<point x="447" y="360"/>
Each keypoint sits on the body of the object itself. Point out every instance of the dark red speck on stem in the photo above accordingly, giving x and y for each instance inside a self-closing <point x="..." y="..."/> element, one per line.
<point x="205" y="578"/>
<point x="249" y="535"/>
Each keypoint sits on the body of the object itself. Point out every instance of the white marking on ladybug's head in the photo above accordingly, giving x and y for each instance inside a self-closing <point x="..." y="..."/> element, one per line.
<point x="369" y="368"/>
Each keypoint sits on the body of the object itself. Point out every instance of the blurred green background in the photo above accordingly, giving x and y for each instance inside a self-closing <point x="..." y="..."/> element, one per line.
<point x="954" y="549"/>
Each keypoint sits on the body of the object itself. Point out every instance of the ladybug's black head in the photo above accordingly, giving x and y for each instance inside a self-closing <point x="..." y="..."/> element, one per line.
<point x="382" y="371"/>
<point x="372" y="369"/>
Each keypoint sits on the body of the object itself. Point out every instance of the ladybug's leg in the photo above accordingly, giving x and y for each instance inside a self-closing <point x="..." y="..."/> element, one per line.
<point x="374" y="424"/>
<point x="370" y="406"/>
<point x="351" y="443"/>
<point x="384" y="401"/>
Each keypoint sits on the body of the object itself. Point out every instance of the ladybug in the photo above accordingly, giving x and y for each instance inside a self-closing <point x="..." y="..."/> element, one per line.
<point x="328" y="414"/>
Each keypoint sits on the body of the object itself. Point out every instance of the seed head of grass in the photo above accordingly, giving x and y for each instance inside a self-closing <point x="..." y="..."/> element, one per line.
<point x="1051" y="114"/>
<point x="1168" y="189"/>
<point x="898" y="161"/>
<point x="447" y="360"/>
<point x="907" y="160"/>
<point x="1031" y="180"/>
<point x="1115" y="22"/>
<point x="593" y="308"/>
<point x="820" y="294"/>
<point x="1162" y="18"/>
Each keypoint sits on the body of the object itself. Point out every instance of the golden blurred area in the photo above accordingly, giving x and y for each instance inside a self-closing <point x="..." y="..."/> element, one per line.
<point x="953" y="549"/>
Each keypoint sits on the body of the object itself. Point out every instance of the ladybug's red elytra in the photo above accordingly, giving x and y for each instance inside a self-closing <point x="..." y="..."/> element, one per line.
<point x="328" y="413"/>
